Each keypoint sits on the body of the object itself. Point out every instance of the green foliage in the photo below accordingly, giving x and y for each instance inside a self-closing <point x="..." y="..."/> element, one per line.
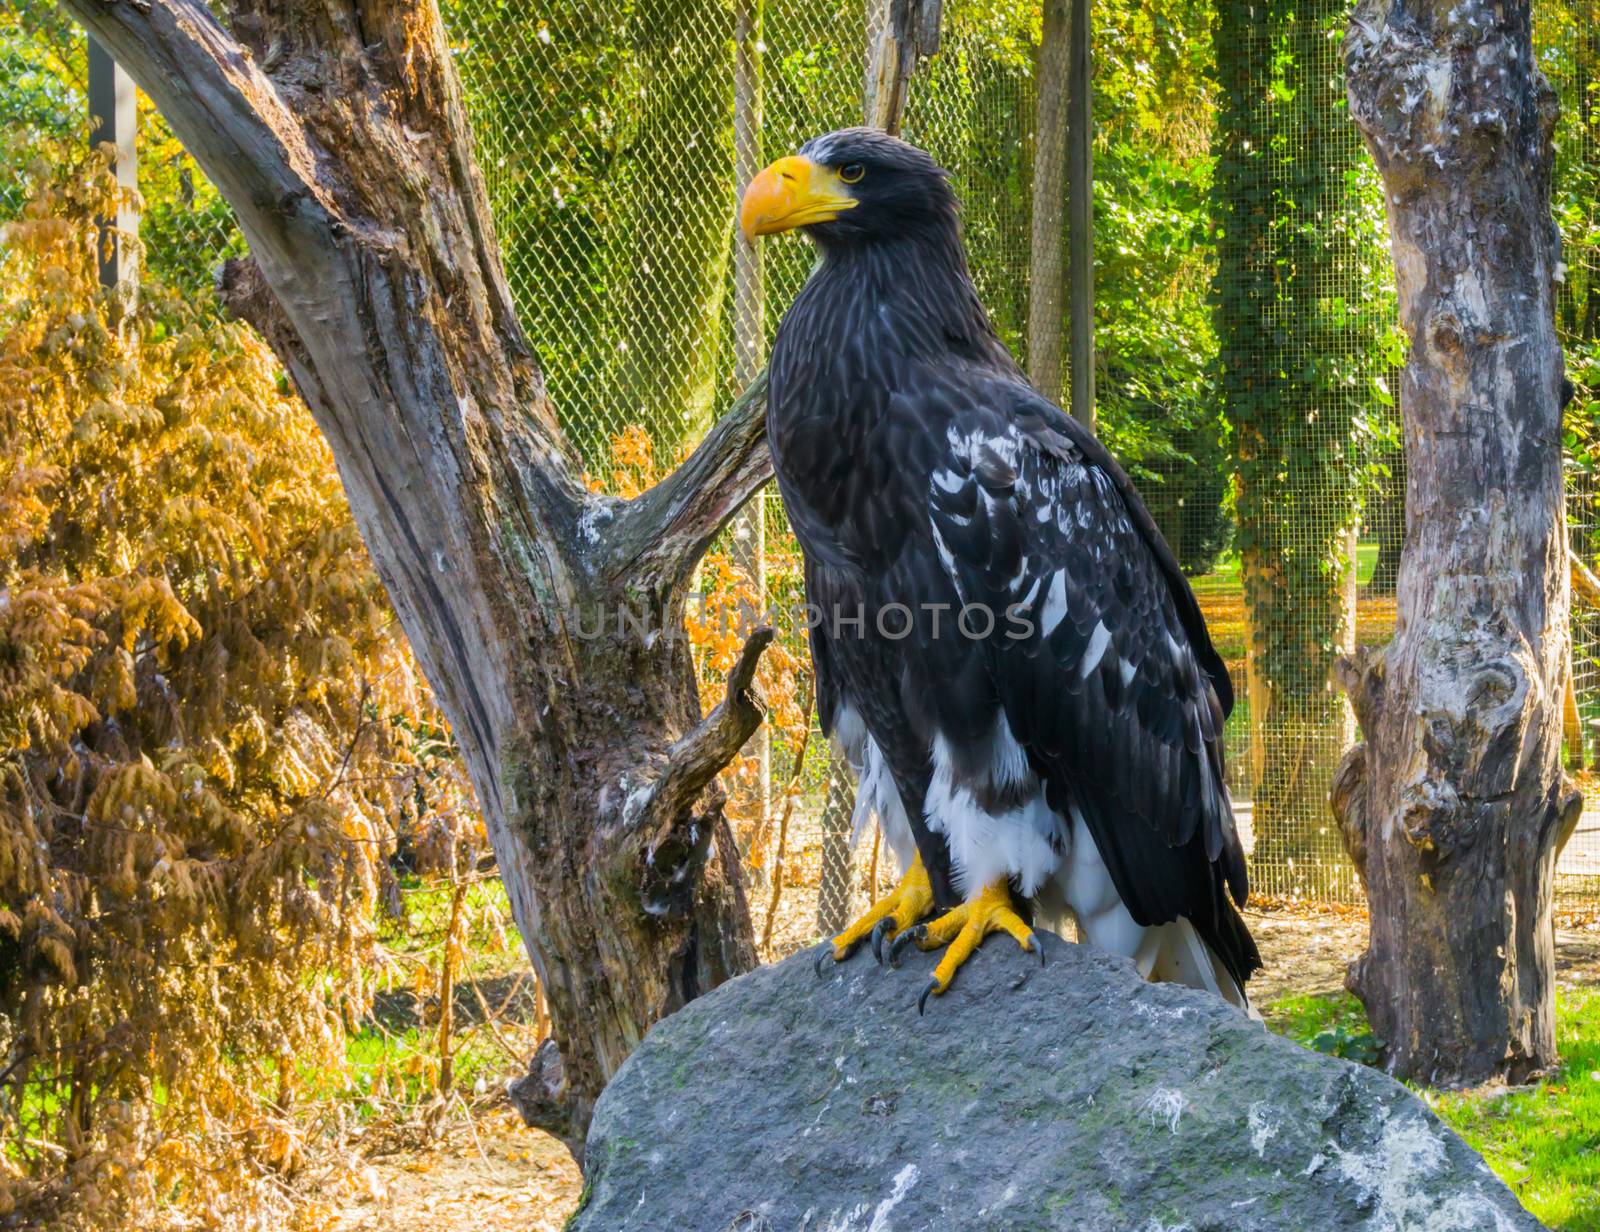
<point x="1543" y="1140"/>
<point x="605" y="136"/>
<point x="41" y="108"/>
<point x="1304" y="1016"/>
<point x="1156" y="402"/>
<point x="973" y="107"/>
<point x="1567" y="37"/>
<point x="1304" y="316"/>
<point x="1335" y="1025"/>
<point x="608" y="169"/>
<point x="1303" y="313"/>
<point x="185" y="227"/>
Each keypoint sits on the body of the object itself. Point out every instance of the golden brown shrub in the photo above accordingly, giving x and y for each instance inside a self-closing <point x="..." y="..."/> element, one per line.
<point x="210" y="730"/>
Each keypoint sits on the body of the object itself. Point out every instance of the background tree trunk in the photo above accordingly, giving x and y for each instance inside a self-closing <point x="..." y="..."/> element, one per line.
<point x="548" y="619"/>
<point x="1290" y="357"/>
<point x="1455" y="805"/>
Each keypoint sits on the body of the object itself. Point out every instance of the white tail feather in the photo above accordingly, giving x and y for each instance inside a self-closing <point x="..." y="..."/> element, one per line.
<point x="1175" y="954"/>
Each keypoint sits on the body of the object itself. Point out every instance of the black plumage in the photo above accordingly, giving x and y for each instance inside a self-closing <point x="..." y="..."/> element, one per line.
<point x="921" y="472"/>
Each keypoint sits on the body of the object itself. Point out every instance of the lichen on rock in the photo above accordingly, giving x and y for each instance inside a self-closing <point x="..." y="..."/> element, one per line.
<point x="1070" y="1097"/>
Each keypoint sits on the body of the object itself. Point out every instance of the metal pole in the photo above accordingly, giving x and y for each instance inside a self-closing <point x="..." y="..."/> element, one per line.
<point x="1047" y="268"/>
<point x="749" y="337"/>
<point x="1080" y="212"/>
<point x="114" y="121"/>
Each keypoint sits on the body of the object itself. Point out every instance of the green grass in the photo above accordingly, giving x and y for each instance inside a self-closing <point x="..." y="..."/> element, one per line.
<point x="1224" y="575"/>
<point x="388" y="1067"/>
<point x="1542" y="1140"/>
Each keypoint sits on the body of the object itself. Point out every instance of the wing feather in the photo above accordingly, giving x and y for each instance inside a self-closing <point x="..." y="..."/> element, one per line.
<point x="1117" y="694"/>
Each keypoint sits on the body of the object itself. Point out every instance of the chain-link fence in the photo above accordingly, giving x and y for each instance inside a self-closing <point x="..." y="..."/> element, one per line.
<point x="1304" y="302"/>
<point x="1245" y="316"/>
<point x="1569" y="52"/>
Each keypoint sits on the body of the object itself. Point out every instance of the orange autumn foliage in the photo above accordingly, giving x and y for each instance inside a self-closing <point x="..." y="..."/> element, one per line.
<point x="722" y="612"/>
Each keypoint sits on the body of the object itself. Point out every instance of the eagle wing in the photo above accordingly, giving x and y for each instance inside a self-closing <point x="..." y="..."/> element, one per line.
<point x="1103" y="667"/>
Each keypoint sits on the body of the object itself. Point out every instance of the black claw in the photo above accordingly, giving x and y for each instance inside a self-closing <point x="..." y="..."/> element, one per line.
<point x="898" y="945"/>
<point x="927" y="992"/>
<point x="1033" y="942"/>
<point x="827" y="952"/>
<point x="881" y="930"/>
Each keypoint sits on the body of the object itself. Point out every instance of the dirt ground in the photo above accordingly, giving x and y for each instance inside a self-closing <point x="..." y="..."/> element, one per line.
<point x="484" y="1173"/>
<point x="489" y="1173"/>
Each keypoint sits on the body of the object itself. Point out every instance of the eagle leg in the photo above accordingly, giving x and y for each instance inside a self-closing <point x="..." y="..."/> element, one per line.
<point x="963" y="930"/>
<point x="892" y="914"/>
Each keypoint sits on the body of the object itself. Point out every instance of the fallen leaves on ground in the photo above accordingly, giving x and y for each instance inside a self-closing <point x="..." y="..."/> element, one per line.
<point x="489" y="1173"/>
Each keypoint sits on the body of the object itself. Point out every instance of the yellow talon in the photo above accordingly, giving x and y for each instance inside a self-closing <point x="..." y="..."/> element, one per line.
<point x="902" y="907"/>
<point x="964" y="929"/>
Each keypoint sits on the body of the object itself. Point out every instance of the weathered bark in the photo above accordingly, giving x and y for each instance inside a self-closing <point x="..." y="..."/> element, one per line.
<point x="907" y="34"/>
<point x="548" y="619"/>
<point x="1455" y="805"/>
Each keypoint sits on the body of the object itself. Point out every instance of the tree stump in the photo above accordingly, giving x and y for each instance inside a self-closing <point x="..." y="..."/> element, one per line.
<point x="1454" y="806"/>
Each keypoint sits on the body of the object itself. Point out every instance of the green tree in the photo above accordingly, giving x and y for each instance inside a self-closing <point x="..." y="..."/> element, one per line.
<point x="1301" y="315"/>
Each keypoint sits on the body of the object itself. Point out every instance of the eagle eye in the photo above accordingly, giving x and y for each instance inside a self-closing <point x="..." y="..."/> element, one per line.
<point x="851" y="173"/>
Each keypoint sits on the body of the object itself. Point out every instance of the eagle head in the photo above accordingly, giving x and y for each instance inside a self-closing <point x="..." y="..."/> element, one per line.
<point x="851" y="186"/>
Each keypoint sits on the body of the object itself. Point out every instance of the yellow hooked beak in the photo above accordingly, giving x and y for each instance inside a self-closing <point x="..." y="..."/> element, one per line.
<point x="793" y="192"/>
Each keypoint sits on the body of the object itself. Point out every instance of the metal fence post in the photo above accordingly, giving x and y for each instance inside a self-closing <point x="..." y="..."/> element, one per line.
<point x="749" y="351"/>
<point x="1080" y="210"/>
<point x="114" y="120"/>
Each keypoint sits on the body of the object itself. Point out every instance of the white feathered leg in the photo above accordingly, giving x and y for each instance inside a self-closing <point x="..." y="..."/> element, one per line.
<point x="877" y="797"/>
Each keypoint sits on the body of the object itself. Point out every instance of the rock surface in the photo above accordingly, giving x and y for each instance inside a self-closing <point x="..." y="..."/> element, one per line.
<point x="1072" y="1097"/>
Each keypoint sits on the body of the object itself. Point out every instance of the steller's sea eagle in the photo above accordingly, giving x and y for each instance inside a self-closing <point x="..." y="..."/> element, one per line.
<point x="1004" y="646"/>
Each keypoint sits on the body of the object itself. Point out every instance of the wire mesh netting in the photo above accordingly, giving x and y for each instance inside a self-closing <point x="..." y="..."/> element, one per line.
<point x="1245" y="317"/>
<point x="1569" y="52"/>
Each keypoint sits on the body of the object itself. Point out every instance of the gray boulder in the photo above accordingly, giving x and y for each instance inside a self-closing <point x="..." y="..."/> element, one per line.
<point x="1074" y="1096"/>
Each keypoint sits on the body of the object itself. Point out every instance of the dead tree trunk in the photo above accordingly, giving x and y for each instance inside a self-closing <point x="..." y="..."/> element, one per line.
<point x="548" y="619"/>
<point x="1454" y="806"/>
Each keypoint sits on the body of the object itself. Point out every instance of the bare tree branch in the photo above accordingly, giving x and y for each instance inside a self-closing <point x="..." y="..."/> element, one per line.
<point x="336" y="130"/>
<point x="544" y="1098"/>
<point x="659" y="537"/>
<point x="671" y="815"/>
<point x="706" y="748"/>
<point x="250" y="146"/>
